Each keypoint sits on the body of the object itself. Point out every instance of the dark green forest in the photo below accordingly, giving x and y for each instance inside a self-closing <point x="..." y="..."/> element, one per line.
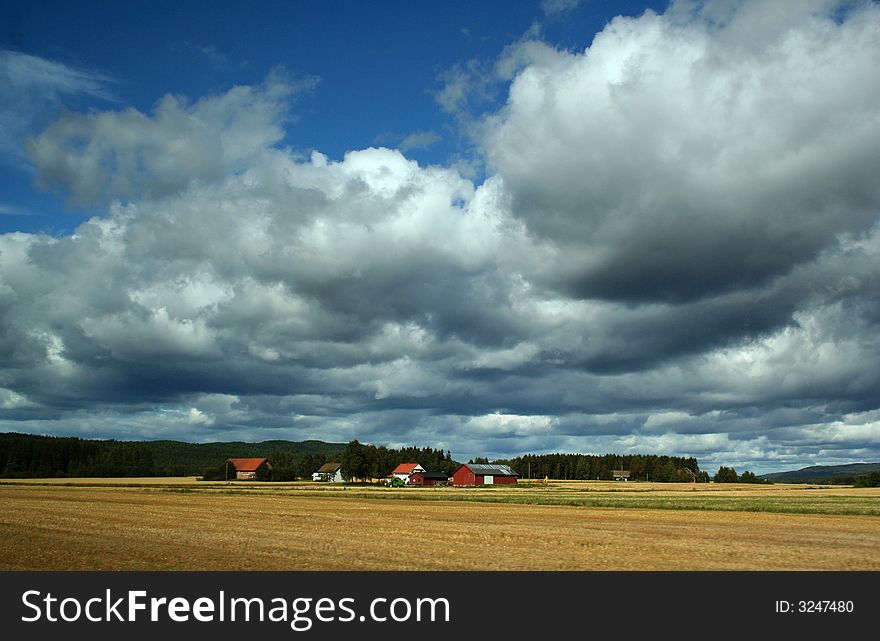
<point x="175" y="458"/>
<point x="642" y="467"/>
<point x="729" y="475"/>
<point x="362" y="461"/>
<point x="29" y="456"/>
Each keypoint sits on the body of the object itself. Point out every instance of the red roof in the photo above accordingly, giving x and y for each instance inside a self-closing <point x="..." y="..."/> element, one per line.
<point x="246" y="464"/>
<point x="405" y="468"/>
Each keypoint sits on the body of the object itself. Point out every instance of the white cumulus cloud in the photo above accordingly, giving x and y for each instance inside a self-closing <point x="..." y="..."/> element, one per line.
<point x="675" y="250"/>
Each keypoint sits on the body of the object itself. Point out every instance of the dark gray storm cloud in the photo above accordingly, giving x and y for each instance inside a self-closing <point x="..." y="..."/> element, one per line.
<point x="677" y="250"/>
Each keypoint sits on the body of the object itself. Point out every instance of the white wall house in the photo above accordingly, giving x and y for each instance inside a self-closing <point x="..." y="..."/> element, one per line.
<point x="405" y="470"/>
<point x="329" y="472"/>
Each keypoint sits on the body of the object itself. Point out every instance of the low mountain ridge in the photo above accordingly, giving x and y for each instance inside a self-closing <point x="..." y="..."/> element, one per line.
<point x="822" y="473"/>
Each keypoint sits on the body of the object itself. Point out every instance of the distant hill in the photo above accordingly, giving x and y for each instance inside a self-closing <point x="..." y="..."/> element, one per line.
<point x="30" y="456"/>
<point x="823" y="473"/>
<point x="175" y="458"/>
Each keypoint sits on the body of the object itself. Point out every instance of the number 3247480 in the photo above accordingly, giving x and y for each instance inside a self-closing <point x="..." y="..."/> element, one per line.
<point x="818" y="607"/>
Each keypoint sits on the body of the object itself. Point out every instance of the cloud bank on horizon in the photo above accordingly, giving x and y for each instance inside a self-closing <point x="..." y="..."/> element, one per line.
<point x="675" y="249"/>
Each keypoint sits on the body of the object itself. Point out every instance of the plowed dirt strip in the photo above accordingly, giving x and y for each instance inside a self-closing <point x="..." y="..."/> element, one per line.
<point x="72" y="528"/>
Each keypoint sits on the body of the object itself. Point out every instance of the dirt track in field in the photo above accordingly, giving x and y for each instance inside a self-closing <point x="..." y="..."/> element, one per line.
<point x="126" y="528"/>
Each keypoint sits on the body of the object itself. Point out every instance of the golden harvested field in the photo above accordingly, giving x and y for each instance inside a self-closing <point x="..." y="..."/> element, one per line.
<point x="179" y="524"/>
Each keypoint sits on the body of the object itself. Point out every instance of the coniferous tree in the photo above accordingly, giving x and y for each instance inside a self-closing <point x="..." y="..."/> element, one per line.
<point x="726" y="475"/>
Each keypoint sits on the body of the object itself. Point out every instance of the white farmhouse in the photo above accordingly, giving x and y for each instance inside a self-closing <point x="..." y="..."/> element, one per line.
<point x="329" y="472"/>
<point x="405" y="470"/>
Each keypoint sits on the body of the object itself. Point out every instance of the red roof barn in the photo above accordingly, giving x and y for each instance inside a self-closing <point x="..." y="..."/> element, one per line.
<point x="246" y="468"/>
<point x="428" y="478"/>
<point x="481" y="474"/>
<point x="405" y="470"/>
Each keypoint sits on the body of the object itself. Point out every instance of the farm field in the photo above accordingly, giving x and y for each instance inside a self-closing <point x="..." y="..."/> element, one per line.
<point x="181" y="524"/>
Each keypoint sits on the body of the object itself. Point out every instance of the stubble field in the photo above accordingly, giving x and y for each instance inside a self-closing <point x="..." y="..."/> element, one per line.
<point x="180" y="524"/>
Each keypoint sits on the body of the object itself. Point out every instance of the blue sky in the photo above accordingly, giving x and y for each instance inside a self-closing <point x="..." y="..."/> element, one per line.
<point x="376" y="68"/>
<point x="490" y="227"/>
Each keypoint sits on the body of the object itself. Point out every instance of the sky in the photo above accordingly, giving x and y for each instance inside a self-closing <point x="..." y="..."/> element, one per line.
<point x="493" y="228"/>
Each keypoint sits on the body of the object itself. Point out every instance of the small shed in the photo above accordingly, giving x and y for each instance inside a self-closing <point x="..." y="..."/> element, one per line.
<point x="483" y="474"/>
<point x="329" y="472"/>
<point x="405" y="470"/>
<point x="620" y="475"/>
<point x="428" y="478"/>
<point x="246" y="468"/>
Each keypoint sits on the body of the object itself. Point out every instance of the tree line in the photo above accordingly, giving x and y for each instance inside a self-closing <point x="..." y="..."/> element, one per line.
<point x="360" y="462"/>
<point x="871" y="479"/>
<point x="729" y="475"/>
<point x="642" y="467"/>
<point x="364" y="462"/>
<point x="31" y="456"/>
<point x="285" y="466"/>
<point x="26" y="456"/>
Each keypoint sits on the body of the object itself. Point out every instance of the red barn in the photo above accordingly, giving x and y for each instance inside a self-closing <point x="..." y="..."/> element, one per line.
<point x="428" y="478"/>
<point x="481" y="474"/>
<point x="246" y="468"/>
